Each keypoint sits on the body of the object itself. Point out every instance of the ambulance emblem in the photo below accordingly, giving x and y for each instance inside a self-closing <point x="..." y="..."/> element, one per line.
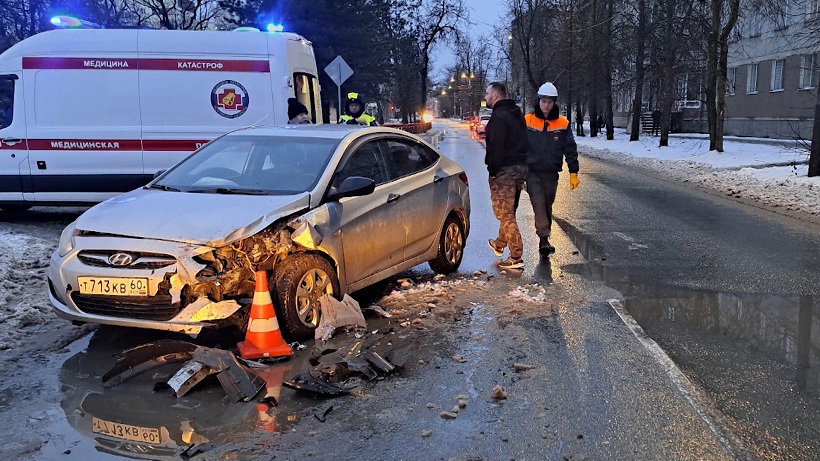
<point x="229" y="99"/>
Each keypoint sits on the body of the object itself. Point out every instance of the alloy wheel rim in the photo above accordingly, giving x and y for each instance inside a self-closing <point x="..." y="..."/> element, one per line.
<point x="453" y="243"/>
<point x="313" y="285"/>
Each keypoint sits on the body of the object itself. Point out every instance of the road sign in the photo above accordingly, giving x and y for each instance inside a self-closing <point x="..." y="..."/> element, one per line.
<point x="338" y="71"/>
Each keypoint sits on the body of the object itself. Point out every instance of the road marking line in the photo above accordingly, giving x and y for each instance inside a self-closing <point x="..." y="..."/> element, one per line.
<point x="623" y="236"/>
<point x="685" y="387"/>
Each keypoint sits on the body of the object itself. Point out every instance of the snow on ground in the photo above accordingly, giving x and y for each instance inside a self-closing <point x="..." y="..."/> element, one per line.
<point x="770" y="172"/>
<point x="23" y="294"/>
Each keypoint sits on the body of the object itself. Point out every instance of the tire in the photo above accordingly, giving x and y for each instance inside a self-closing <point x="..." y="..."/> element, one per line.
<point x="450" y="247"/>
<point x="298" y="282"/>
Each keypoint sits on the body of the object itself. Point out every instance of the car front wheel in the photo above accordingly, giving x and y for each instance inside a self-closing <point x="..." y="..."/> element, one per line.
<point x="299" y="281"/>
<point x="450" y="247"/>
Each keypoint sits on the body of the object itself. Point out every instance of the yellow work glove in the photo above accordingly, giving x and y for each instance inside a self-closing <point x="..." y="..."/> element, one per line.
<point x="573" y="181"/>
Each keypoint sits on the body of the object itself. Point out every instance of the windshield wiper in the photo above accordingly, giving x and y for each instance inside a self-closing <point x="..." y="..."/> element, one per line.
<point x="162" y="187"/>
<point x="225" y="190"/>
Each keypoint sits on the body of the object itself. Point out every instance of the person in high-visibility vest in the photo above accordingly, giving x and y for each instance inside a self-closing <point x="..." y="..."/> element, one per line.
<point x="354" y="112"/>
<point x="551" y="144"/>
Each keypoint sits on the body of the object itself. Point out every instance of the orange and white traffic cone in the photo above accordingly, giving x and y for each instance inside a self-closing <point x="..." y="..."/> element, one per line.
<point x="263" y="338"/>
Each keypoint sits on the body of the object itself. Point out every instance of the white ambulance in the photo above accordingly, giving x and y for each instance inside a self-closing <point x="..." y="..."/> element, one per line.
<point x="87" y="114"/>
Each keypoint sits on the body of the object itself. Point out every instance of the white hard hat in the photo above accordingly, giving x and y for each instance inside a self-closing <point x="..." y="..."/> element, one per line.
<point x="547" y="90"/>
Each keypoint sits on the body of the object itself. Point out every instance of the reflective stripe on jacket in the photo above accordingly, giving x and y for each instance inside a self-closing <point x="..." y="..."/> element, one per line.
<point x="550" y="142"/>
<point x="368" y="119"/>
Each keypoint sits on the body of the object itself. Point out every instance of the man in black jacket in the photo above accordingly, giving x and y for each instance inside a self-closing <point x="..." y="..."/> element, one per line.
<point x="506" y="160"/>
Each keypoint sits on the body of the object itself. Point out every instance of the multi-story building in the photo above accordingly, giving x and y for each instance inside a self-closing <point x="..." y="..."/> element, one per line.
<point x="773" y="74"/>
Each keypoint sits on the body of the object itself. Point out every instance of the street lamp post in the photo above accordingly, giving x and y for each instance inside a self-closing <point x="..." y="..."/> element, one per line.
<point x="470" y="93"/>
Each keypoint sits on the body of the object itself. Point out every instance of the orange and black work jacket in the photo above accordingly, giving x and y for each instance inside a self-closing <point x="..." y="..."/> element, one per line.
<point x="550" y="142"/>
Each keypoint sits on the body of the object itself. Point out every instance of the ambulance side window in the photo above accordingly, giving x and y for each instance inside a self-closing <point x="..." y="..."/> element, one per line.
<point x="6" y="101"/>
<point x="303" y="87"/>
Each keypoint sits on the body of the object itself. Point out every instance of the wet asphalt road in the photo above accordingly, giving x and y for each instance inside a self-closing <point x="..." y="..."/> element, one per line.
<point x="596" y="392"/>
<point x="730" y="291"/>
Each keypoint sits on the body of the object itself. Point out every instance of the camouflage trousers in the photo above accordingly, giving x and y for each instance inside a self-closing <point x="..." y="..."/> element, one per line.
<point x="505" y="188"/>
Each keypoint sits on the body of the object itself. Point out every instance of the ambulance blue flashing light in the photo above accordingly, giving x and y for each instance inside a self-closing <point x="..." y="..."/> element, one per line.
<point x="271" y="27"/>
<point x="246" y="29"/>
<point x="68" y="22"/>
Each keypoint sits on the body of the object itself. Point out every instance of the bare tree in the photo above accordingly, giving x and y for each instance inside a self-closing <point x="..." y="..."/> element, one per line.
<point x="721" y="22"/>
<point x="20" y="19"/>
<point x="641" y="33"/>
<point x="434" y="21"/>
<point x="178" y="14"/>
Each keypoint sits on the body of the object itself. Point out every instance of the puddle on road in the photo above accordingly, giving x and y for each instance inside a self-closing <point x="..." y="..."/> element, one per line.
<point x="777" y="326"/>
<point x="132" y="421"/>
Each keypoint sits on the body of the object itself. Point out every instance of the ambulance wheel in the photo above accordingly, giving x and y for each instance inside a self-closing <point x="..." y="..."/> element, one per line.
<point x="15" y="208"/>
<point x="298" y="282"/>
<point x="450" y="247"/>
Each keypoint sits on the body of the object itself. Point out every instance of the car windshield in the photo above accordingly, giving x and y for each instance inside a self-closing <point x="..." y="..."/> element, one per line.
<point x="251" y="165"/>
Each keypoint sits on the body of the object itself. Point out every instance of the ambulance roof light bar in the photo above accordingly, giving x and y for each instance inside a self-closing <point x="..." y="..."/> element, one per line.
<point x="69" y="22"/>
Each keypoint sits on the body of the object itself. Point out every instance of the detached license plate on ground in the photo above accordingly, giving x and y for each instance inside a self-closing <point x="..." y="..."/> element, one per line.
<point x="124" y="431"/>
<point x="113" y="286"/>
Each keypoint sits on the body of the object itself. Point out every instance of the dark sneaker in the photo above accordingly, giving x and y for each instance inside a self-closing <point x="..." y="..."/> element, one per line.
<point x="544" y="246"/>
<point x="511" y="263"/>
<point x="498" y="251"/>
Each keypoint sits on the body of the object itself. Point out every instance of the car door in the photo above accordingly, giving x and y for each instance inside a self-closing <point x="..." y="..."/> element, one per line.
<point x="421" y="188"/>
<point x="14" y="167"/>
<point x="372" y="235"/>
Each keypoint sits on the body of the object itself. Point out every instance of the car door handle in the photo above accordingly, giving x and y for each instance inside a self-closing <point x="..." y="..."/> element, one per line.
<point x="393" y="197"/>
<point x="12" y="141"/>
<point x="438" y="178"/>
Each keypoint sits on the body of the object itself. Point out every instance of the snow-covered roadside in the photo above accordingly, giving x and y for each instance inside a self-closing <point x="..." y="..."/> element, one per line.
<point x="28" y="320"/>
<point x="772" y="175"/>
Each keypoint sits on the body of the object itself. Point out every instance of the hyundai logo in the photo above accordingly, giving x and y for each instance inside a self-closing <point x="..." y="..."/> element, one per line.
<point x="120" y="259"/>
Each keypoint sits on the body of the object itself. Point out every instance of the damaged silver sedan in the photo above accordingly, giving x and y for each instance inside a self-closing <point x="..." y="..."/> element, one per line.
<point x="322" y="209"/>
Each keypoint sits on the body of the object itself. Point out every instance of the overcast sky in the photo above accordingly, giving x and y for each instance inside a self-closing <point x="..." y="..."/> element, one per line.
<point x="484" y="16"/>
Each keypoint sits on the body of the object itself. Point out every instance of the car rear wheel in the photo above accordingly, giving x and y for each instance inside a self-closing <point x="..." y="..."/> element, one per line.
<point x="299" y="281"/>
<point x="450" y="247"/>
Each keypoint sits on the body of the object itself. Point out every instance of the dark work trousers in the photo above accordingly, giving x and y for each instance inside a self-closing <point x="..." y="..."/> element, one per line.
<point x="504" y="190"/>
<point x="541" y="188"/>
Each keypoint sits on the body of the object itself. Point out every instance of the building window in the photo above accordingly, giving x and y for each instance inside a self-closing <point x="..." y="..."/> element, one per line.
<point x="751" y="79"/>
<point x="807" y="71"/>
<point x="777" y="74"/>
<point x="755" y="25"/>
<point x="731" y="78"/>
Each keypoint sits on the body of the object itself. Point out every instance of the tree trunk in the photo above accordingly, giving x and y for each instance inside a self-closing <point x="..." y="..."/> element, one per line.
<point x="814" y="157"/>
<point x="425" y="68"/>
<point x="640" y="46"/>
<point x="593" y="73"/>
<point x="579" y="119"/>
<point x="723" y="54"/>
<point x="668" y="69"/>
<point x="610" y="128"/>
<point x="712" y="70"/>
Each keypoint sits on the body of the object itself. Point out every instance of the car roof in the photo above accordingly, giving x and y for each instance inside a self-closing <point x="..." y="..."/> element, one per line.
<point x="328" y="131"/>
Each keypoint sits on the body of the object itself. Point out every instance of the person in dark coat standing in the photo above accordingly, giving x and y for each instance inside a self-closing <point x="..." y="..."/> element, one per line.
<point x="551" y="142"/>
<point x="506" y="160"/>
<point x="656" y="122"/>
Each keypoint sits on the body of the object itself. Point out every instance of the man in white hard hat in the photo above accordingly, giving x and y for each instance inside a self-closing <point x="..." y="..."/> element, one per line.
<point x="550" y="142"/>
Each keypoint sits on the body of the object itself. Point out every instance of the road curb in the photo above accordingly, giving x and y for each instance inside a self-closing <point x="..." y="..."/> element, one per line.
<point x="692" y="395"/>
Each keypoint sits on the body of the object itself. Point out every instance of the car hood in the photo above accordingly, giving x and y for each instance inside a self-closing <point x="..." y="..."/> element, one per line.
<point x="207" y="219"/>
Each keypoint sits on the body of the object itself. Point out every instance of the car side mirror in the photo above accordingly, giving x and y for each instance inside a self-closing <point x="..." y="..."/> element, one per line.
<point x="353" y="186"/>
<point x="158" y="174"/>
